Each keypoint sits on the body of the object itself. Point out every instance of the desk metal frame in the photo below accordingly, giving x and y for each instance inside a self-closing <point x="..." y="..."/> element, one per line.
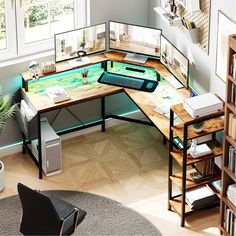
<point x="101" y="122"/>
<point x="104" y="116"/>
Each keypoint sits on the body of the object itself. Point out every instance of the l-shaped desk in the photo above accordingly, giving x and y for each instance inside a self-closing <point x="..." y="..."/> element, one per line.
<point x="149" y="103"/>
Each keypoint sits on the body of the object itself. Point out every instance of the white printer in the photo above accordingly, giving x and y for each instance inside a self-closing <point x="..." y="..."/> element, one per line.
<point x="51" y="149"/>
<point x="202" y="105"/>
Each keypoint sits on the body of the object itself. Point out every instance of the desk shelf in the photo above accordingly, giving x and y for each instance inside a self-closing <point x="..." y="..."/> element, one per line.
<point x="190" y="184"/>
<point x="210" y="126"/>
<point x="215" y="146"/>
<point x="212" y="123"/>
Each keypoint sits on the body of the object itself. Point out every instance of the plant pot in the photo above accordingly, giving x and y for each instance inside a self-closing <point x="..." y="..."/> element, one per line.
<point x="198" y="127"/>
<point x="2" y="177"/>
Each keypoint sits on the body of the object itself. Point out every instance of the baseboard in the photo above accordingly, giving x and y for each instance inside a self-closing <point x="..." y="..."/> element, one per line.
<point x="16" y="148"/>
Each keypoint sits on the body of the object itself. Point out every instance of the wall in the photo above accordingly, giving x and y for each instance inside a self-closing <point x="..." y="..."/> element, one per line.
<point x="132" y="11"/>
<point x="101" y="11"/>
<point x="202" y="70"/>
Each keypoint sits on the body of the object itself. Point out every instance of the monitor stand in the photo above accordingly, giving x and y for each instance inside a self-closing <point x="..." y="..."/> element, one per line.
<point x="136" y="58"/>
<point x="79" y="61"/>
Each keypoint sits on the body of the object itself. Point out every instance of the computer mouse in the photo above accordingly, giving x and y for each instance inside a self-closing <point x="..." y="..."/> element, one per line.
<point x="149" y="85"/>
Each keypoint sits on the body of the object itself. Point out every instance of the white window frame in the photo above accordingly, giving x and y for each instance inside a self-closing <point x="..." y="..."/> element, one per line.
<point x="15" y="31"/>
<point x="10" y="21"/>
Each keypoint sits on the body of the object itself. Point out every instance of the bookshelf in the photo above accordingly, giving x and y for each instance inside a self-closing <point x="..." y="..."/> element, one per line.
<point x="183" y="181"/>
<point x="228" y="176"/>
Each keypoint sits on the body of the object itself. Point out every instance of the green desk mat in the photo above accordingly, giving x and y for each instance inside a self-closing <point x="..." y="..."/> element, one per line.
<point x="73" y="78"/>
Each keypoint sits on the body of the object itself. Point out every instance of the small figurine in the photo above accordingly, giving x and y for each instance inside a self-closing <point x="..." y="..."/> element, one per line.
<point x="193" y="147"/>
<point x="34" y="70"/>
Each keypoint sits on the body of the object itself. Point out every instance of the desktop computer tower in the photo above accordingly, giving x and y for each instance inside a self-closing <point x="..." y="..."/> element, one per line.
<point x="51" y="149"/>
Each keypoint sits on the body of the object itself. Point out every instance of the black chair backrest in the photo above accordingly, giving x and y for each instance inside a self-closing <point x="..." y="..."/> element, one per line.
<point x="39" y="216"/>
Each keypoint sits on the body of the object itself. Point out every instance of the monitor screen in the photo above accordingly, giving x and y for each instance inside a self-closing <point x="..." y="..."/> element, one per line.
<point x="90" y="39"/>
<point x="174" y="61"/>
<point x="134" y="38"/>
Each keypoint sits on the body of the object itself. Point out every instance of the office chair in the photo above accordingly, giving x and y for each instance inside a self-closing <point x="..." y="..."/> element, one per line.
<point x="43" y="215"/>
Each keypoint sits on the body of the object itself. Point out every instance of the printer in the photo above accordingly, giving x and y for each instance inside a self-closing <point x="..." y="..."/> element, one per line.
<point x="51" y="149"/>
<point x="202" y="105"/>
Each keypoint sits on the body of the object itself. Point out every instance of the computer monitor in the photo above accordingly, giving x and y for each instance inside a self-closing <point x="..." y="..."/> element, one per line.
<point x="138" y="40"/>
<point x="79" y="43"/>
<point x="174" y="61"/>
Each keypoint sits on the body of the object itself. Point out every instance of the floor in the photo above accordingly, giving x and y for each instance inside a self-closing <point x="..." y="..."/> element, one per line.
<point x="127" y="163"/>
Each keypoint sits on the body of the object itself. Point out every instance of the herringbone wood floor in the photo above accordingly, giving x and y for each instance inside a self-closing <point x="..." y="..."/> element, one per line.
<point x="127" y="163"/>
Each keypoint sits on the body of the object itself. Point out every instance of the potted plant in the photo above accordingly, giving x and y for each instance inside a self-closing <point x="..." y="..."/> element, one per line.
<point x="198" y="127"/>
<point x="84" y="74"/>
<point x="7" y="110"/>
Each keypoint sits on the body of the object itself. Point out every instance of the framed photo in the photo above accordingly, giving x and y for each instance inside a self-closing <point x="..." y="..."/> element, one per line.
<point x="226" y="27"/>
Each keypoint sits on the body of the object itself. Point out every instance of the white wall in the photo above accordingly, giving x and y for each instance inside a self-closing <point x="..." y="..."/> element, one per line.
<point x="202" y="72"/>
<point x="132" y="11"/>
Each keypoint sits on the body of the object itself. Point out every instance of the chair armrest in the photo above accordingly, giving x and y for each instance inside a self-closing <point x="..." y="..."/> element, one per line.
<point x="64" y="219"/>
<point x="69" y="214"/>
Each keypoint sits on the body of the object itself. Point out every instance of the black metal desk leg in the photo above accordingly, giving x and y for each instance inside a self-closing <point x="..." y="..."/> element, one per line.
<point x="184" y="169"/>
<point x="39" y="147"/>
<point x="170" y="170"/>
<point x="103" y="114"/>
<point x="23" y="143"/>
<point x="164" y="140"/>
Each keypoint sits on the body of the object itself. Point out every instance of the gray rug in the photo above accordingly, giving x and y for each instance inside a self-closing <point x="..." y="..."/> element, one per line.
<point x="104" y="216"/>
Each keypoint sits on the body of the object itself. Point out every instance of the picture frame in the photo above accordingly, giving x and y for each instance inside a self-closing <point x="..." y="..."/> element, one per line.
<point x="225" y="27"/>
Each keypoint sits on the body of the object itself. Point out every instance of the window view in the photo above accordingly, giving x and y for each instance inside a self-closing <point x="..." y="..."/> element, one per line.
<point x="3" y="41"/>
<point x="44" y="18"/>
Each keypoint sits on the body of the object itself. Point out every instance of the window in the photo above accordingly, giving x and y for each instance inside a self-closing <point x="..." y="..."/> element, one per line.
<point x="28" y="26"/>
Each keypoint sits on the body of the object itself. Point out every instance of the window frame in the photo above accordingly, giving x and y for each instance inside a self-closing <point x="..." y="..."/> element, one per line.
<point x="10" y="22"/>
<point x="15" y="31"/>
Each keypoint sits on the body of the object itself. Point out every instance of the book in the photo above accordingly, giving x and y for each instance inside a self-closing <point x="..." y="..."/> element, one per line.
<point x="57" y="94"/>
<point x="200" y="197"/>
<point x="217" y="185"/>
<point x="231" y="115"/>
<point x="233" y="124"/>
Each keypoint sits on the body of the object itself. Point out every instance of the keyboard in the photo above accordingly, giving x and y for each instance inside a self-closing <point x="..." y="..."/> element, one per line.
<point x="128" y="81"/>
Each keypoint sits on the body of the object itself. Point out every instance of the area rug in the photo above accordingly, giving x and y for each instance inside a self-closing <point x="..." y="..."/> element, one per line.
<point x="104" y="216"/>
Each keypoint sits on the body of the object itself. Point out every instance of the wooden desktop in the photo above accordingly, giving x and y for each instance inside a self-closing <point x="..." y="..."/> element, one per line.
<point x="146" y="102"/>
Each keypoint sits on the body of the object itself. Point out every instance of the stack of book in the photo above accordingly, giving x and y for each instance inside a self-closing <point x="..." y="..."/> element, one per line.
<point x="232" y="126"/>
<point x="200" y="197"/>
<point x="229" y="221"/>
<point x="232" y="159"/>
<point x="231" y="193"/>
<point x="205" y="168"/>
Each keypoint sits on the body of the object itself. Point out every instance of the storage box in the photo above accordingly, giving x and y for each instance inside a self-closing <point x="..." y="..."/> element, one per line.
<point x="202" y="105"/>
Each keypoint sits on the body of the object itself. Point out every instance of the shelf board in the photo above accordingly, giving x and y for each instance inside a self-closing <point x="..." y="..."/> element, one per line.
<point x="230" y="140"/>
<point x="190" y="184"/>
<point x="215" y="146"/>
<point x="177" y="206"/>
<point x="232" y="79"/>
<point x="231" y="107"/>
<point x="179" y="110"/>
<point x="229" y="204"/>
<point x="209" y="127"/>
<point x="230" y="174"/>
